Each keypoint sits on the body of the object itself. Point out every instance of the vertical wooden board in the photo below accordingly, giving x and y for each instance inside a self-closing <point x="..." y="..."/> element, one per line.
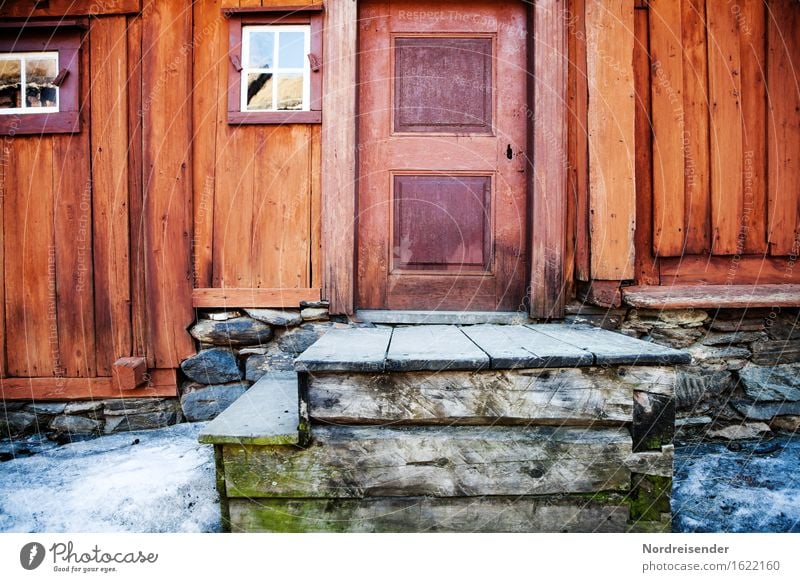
<point x="138" y="298"/>
<point x="209" y="100"/>
<point x="612" y="189"/>
<point x="725" y="89"/>
<point x="646" y="267"/>
<point x="550" y="146"/>
<point x="74" y="242"/>
<point x="315" y="223"/>
<point x="166" y="83"/>
<point x="31" y="309"/>
<point x="5" y="153"/>
<point x="695" y="140"/>
<point x="109" y="129"/>
<point x="280" y="238"/>
<point x="339" y="154"/>
<point x="752" y="44"/>
<point x="577" y="37"/>
<point x="666" y="49"/>
<point x="783" y="127"/>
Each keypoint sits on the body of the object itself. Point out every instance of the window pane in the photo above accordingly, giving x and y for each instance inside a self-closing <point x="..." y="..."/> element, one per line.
<point x="10" y="79"/>
<point x="259" y="91"/>
<point x="290" y="92"/>
<point x="292" y="50"/>
<point x="261" y="49"/>
<point x="40" y="91"/>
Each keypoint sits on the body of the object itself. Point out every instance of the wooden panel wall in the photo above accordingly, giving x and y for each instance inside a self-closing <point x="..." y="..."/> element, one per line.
<point x="256" y="188"/>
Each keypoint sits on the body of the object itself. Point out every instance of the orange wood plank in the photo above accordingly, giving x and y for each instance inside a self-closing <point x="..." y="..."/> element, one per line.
<point x="129" y="373"/>
<point x="668" y="114"/>
<point x="743" y="270"/>
<point x="231" y="297"/>
<point x="162" y="385"/>
<point x="612" y="188"/>
<point x="4" y="163"/>
<point x="582" y="239"/>
<point x="752" y="44"/>
<point x="109" y="127"/>
<point x="31" y="308"/>
<point x="730" y="296"/>
<point x="29" y="8"/>
<point x="315" y="226"/>
<point x="784" y="127"/>
<point x="725" y="89"/>
<point x="166" y="84"/>
<point x="646" y="267"/>
<point x="74" y="242"/>
<point x="137" y="254"/>
<point x="281" y="210"/>
<point x="695" y="141"/>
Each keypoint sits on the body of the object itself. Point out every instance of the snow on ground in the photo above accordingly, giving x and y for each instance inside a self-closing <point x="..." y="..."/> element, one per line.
<point x="163" y="481"/>
<point x="146" y="481"/>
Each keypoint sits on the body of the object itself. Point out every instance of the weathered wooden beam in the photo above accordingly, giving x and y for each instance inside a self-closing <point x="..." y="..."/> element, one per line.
<point x="521" y="347"/>
<point x="161" y="383"/>
<point x="729" y="296"/>
<point x="360" y="349"/>
<point x="238" y="297"/>
<point x="425" y="514"/>
<point x="355" y="462"/>
<point x="129" y="372"/>
<point x="35" y="8"/>
<point x="658" y="463"/>
<point x="439" y="347"/>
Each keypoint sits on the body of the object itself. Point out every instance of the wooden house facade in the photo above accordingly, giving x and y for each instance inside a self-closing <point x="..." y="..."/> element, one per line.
<point x="450" y="156"/>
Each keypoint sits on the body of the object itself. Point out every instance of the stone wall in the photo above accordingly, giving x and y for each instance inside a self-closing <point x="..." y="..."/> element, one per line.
<point x="744" y="380"/>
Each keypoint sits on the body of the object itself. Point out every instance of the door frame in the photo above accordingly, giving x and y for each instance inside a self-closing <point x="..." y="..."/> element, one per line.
<point x="547" y="175"/>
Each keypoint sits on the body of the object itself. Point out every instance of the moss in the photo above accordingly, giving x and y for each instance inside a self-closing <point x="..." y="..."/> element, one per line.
<point x="650" y="497"/>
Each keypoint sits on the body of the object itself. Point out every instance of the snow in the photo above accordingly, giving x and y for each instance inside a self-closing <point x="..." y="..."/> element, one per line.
<point x="147" y="481"/>
<point x="163" y="481"/>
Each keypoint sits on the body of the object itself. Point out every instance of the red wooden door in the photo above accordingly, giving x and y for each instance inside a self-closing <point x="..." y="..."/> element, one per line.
<point x="442" y="171"/>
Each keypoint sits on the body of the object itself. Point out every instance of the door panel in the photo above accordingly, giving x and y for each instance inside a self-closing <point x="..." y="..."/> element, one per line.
<point x="442" y="172"/>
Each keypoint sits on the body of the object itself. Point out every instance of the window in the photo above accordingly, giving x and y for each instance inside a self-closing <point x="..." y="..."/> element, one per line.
<point x="39" y="78"/>
<point x="275" y="68"/>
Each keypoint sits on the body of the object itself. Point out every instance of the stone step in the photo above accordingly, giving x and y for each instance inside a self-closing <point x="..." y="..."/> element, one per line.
<point x="478" y="347"/>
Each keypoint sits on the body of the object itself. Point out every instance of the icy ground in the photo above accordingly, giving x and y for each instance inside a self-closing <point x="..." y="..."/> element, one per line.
<point x="163" y="481"/>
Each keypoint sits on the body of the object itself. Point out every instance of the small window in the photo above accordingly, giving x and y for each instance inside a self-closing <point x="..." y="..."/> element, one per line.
<point x="39" y="83"/>
<point x="275" y="68"/>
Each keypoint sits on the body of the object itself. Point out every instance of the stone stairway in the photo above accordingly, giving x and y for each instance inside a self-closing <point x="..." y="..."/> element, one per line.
<point x="442" y="428"/>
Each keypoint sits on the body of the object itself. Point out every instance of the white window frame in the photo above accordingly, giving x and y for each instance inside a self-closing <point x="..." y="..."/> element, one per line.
<point x="276" y="70"/>
<point x="23" y="57"/>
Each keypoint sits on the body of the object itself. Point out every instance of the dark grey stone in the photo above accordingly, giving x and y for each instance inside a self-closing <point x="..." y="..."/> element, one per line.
<point x="785" y="326"/>
<point x="214" y="366"/>
<point x="314" y="314"/>
<point x="124" y="406"/>
<point x="676" y="337"/>
<point x="206" y="402"/>
<point x="776" y="352"/>
<point x="742" y="324"/>
<point x="143" y="421"/>
<point x="322" y="303"/>
<point x="239" y="331"/>
<point x="277" y="317"/>
<point x="75" y="425"/>
<point x="17" y="423"/>
<point x="297" y="341"/>
<point x="736" y="337"/>
<point x="86" y="407"/>
<point x="771" y="383"/>
<point x="259" y="365"/>
<point x="46" y="408"/>
<point x="765" y="410"/>
<point x="696" y="384"/>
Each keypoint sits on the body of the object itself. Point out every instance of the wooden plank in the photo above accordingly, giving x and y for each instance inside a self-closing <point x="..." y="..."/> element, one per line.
<point x="658" y="463"/>
<point x="209" y="99"/>
<point x="109" y="130"/>
<point x="281" y="238"/>
<point x="129" y="372"/>
<point x="40" y="389"/>
<point x="426" y="514"/>
<point x="612" y="188"/>
<point x="267" y="414"/>
<point x="339" y="155"/>
<point x="520" y="347"/>
<point x="166" y="82"/>
<point x="32" y="344"/>
<point x="74" y="243"/>
<point x="753" y="44"/>
<point x="357" y="349"/>
<point x="695" y="139"/>
<point x="561" y="396"/>
<point x="348" y="462"/>
<point x="645" y="263"/>
<point x="725" y="89"/>
<point x="31" y="8"/>
<point x="433" y="347"/>
<point x="728" y="296"/>
<point x="410" y="316"/>
<point x="783" y="128"/>
<point x="135" y="193"/>
<point x="315" y="226"/>
<point x="549" y="142"/>
<point x="669" y="199"/>
<point x="233" y="297"/>
<point x="613" y="348"/>
<point x="4" y="170"/>
<point x="579" y="128"/>
<point x="746" y="270"/>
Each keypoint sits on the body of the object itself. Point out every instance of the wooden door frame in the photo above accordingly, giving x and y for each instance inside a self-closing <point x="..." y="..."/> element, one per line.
<point x="548" y="21"/>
